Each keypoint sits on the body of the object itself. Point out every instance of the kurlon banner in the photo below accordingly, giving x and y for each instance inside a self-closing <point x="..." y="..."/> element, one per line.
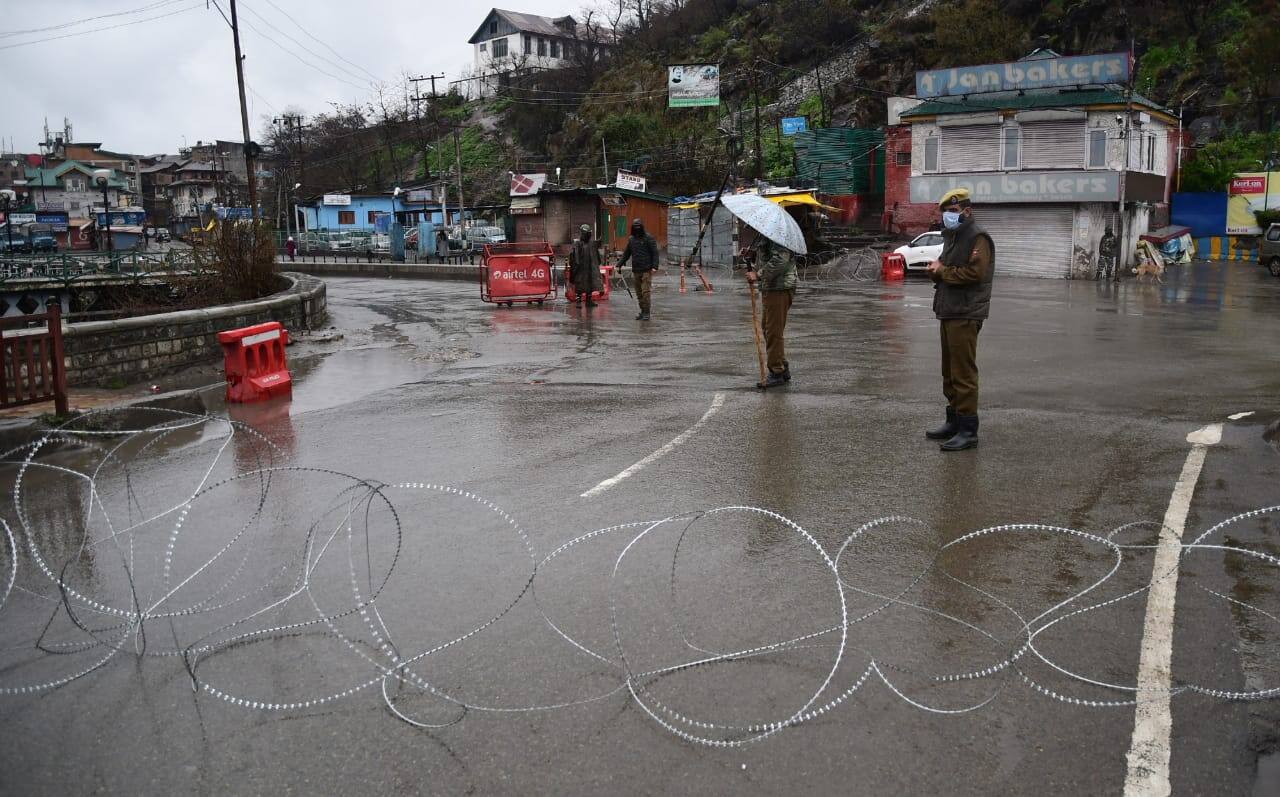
<point x="1248" y="193"/>
<point x="1043" y="73"/>
<point x="1022" y="187"/>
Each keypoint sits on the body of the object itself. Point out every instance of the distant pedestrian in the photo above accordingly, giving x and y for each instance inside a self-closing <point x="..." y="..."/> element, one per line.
<point x="642" y="251"/>
<point x="290" y="248"/>
<point x="1107" y="257"/>
<point x="442" y="246"/>
<point x="584" y="267"/>
<point x="962" y="299"/>
<point x="775" y="271"/>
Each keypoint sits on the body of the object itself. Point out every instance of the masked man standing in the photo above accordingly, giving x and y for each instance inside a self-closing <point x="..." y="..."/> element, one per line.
<point x="775" y="271"/>
<point x="584" y="268"/>
<point x="962" y="298"/>
<point x="642" y="251"/>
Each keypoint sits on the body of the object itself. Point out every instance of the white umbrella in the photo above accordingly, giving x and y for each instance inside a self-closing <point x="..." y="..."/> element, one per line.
<point x="767" y="218"/>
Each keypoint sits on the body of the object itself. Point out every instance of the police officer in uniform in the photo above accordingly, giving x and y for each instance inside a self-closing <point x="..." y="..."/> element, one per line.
<point x="642" y="251"/>
<point x="961" y="301"/>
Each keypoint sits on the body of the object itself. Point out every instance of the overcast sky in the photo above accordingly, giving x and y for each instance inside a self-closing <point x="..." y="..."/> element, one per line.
<point x="168" y="71"/>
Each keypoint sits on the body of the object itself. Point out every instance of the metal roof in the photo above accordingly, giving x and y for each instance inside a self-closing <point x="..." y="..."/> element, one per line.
<point x="1020" y="101"/>
<point x="525" y="23"/>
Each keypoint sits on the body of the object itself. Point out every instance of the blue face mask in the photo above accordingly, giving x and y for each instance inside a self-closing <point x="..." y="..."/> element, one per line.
<point x="951" y="219"/>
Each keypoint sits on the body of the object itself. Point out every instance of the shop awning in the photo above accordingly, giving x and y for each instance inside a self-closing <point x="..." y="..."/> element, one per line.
<point x="525" y="205"/>
<point x="789" y="200"/>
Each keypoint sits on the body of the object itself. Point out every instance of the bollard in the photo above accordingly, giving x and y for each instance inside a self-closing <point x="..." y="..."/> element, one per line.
<point x="254" y="362"/>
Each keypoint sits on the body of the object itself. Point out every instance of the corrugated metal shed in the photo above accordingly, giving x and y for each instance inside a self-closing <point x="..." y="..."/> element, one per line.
<point x="841" y="160"/>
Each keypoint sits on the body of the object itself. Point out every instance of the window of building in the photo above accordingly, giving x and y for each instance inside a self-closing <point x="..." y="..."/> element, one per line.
<point x="484" y="47"/>
<point x="903" y="158"/>
<point x="493" y="26"/>
<point x="499" y="48"/>
<point x="555" y="48"/>
<point x="346" y="217"/>
<point x="373" y="216"/>
<point x="1150" y="160"/>
<point x="542" y="46"/>
<point x="1097" y="148"/>
<point x="76" y="184"/>
<point x="1012" y="157"/>
<point x="528" y="44"/>
<point x="970" y="148"/>
<point x="931" y="154"/>
<point x="1057" y="144"/>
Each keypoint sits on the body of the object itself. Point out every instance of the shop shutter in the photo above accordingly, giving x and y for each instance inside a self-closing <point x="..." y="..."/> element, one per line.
<point x="1030" y="240"/>
<point x="971" y="148"/>
<point x="1053" y="145"/>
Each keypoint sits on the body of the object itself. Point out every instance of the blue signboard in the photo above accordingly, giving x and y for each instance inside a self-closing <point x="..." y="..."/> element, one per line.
<point x="233" y="214"/>
<point x="56" y="220"/>
<point x="794" y="124"/>
<point x="122" y="218"/>
<point x="1041" y="73"/>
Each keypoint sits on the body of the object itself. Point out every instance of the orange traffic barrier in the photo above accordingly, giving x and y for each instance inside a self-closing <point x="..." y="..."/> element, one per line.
<point x="253" y="358"/>
<point x="893" y="267"/>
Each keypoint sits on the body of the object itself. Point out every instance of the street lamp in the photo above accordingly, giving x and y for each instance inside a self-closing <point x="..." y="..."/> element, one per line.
<point x="7" y="200"/>
<point x="100" y="178"/>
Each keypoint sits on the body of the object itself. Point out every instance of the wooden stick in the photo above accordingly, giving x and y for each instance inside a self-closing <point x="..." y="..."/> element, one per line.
<point x="755" y="329"/>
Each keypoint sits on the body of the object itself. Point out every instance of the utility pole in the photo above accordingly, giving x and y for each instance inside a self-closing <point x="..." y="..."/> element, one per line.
<point x="417" y="106"/>
<point x="604" y="148"/>
<point x="250" y="149"/>
<point x="1122" y="261"/>
<point x="822" y="100"/>
<point x="462" y="205"/>
<point x="755" y="93"/>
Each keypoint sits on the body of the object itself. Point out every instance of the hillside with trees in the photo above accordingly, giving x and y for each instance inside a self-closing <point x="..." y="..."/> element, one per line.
<point x="1217" y="62"/>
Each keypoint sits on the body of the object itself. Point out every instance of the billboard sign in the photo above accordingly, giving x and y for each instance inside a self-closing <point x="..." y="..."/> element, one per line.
<point x="1081" y="70"/>
<point x="631" y="181"/>
<point x="1095" y="186"/>
<point x="693" y="85"/>
<point x="420" y="195"/>
<point x="22" y="218"/>
<point x="1248" y="193"/>
<point x="794" y="124"/>
<point x="337" y="199"/>
<point x="527" y="184"/>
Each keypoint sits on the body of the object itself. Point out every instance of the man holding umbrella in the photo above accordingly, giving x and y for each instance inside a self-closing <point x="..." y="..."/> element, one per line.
<point x="775" y="272"/>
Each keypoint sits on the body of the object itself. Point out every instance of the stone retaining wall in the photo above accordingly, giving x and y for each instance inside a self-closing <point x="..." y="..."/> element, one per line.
<point x="387" y="268"/>
<point x="109" y="353"/>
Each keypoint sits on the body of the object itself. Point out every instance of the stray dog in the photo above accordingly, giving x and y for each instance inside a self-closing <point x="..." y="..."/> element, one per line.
<point x="1150" y="268"/>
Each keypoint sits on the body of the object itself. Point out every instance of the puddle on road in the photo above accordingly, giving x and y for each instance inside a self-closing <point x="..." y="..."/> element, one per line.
<point x="343" y="377"/>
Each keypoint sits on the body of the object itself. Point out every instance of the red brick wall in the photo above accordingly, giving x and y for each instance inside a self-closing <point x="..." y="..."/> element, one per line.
<point x="905" y="218"/>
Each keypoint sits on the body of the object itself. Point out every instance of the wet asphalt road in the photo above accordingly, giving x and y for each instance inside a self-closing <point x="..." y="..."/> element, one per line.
<point x="1088" y="394"/>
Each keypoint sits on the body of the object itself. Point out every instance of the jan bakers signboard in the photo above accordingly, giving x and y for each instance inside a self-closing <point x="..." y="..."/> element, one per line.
<point x="1081" y="70"/>
<point x="1022" y="187"/>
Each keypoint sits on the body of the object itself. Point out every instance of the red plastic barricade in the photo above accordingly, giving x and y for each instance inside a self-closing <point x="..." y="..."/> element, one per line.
<point x="892" y="267"/>
<point x="519" y="272"/>
<point x="254" y="361"/>
<point x="606" y="276"/>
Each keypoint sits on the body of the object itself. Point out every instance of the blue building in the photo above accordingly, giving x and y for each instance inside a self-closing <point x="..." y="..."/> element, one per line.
<point x="359" y="212"/>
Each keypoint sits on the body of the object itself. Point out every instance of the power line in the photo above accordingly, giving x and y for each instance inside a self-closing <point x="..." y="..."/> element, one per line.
<point x="98" y="30"/>
<point x="73" y="23"/>
<point x="268" y="23"/>
<point x="321" y="41"/>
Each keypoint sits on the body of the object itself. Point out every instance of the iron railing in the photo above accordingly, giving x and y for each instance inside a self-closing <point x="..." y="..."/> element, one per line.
<point x="73" y="266"/>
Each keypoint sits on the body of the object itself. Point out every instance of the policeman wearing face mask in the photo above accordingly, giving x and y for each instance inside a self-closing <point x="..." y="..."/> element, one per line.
<point x="961" y="300"/>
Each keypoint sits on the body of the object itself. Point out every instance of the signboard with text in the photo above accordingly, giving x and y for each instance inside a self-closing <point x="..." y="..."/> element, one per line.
<point x="693" y="85"/>
<point x="1248" y="193"/>
<point x="527" y="184"/>
<point x="631" y="181"/>
<point x="122" y="218"/>
<point x="794" y="124"/>
<point x="22" y="218"/>
<point x="337" y="199"/>
<point x="1042" y="73"/>
<point x="420" y="195"/>
<point x="1021" y="187"/>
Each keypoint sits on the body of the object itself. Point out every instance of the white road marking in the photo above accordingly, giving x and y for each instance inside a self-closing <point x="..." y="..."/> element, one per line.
<point x="1148" y="759"/>
<point x="716" y="404"/>
<point x="1239" y="415"/>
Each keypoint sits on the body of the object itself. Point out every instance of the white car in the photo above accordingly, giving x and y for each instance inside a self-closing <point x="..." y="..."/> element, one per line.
<point x="926" y="248"/>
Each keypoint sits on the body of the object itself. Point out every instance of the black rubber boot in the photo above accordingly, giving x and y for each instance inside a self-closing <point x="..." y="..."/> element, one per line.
<point x="947" y="430"/>
<point x="643" y="316"/>
<point x="772" y="380"/>
<point x="786" y="371"/>
<point x="967" y="437"/>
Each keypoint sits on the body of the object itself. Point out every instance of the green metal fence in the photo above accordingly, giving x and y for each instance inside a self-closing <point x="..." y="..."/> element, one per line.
<point x="73" y="265"/>
<point x="842" y="160"/>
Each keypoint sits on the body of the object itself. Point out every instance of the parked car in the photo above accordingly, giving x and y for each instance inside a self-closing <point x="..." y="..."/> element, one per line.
<point x="19" y="244"/>
<point x="340" y="244"/>
<point x="162" y="235"/>
<point x="479" y="236"/>
<point x="1269" y="249"/>
<point x="923" y="250"/>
